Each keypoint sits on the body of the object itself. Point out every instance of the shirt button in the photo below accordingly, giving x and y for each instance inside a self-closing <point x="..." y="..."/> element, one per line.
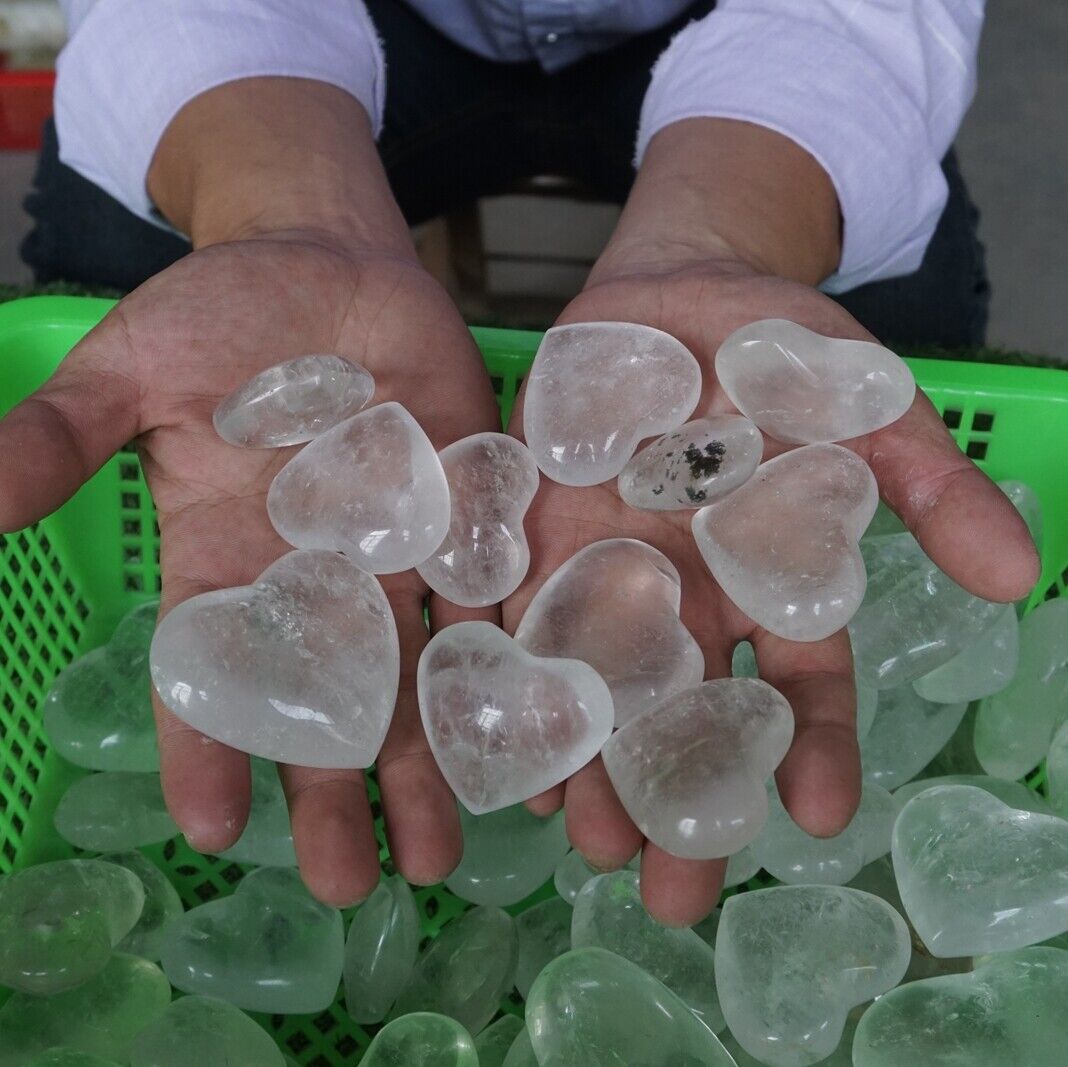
<point x="552" y="37"/>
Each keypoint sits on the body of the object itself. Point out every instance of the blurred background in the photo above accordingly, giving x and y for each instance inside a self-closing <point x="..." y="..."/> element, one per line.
<point x="515" y="260"/>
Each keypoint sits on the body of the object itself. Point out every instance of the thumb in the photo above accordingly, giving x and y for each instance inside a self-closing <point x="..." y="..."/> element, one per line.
<point x="63" y="433"/>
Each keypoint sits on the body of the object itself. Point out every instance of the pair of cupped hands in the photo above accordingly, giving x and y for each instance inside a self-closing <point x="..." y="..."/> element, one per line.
<point x="157" y="366"/>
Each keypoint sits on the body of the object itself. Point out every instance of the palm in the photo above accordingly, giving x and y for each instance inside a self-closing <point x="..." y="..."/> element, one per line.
<point x="921" y="474"/>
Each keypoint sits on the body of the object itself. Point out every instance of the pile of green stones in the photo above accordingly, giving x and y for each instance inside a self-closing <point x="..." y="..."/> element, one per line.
<point x="933" y="930"/>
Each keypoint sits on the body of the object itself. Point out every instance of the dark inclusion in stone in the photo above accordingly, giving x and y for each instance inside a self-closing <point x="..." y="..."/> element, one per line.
<point x="704" y="462"/>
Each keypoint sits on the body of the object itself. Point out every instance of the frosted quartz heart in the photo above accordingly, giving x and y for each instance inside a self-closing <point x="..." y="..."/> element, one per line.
<point x="267" y="839"/>
<point x="984" y="666"/>
<point x="507" y="855"/>
<point x="492" y="480"/>
<point x="301" y="667"/>
<point x="494" y="1042"/>
<point x="914" y="617"/>
<point x="98" y="713"/>
<point x="596" y="389"/>
<point x="293" y="402"/>
<point x="691" y="771"/>
<point x="791" y="962"/>
<point x="371" y="487"/>
<point x="1014" y="726"/>
<point x="114" y="811"/>
<point x="784" y="546"/>
<point x="907" y="733"/>
<point x="1015" y="794"/>
<point x="803" y="388"/>
<point x="978" y="876"/>
<point x="422" y="1039"/>
<point x="60" y="921"/>
<point x="615" y="605"/>
<point x="591" y="1006"/>
<point x="793" y="856"/>
<point x="466" y="970"/>
<point x="505" y="725"/>
<point x="1010" y="1009"/>
<point x="162" y="905"/>
<point x="841" y="1057"/>
<point x="101" y="1017"/>
<point x="544" y="932"/>
<point x="380" y="950"/>
<point x="689" y="467"/>
<point x="609" y="914"/>
<point x="270" y="947"/>
<point x="204" y="1030"/>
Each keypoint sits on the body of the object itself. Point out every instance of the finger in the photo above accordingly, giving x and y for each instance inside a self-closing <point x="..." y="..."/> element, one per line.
<point x="679" y="892"/>
<point x="57" y="438"/>
<point x="819" y="780"/>
<point x="597" y="824"/>
<point x="965" y="523"/>
<point x="333" y="833"/>
<point x="422" y="823"/>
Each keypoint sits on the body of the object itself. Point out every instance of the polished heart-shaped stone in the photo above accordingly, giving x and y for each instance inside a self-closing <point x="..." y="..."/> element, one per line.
<point x="591" y="1006"/>
<point x="1014" y="727"/>
<point x="59" y="922"/>
<point x="841" y="1057"/>
<point x="380" y="950"/>
<point x="691" y="771"/>
<point x="163" y="905"/>
<point x="292" y="402"/>
<point x="507" y="855"/>
<point x="803" y="388"/>
<point x="793" y="856"/>
<point x="466" y="970"/>
<point x="784" y="546"/>
<point x="573" y="872"/>
<point x="596" y="389"/>
<point x="1015" y="794"/>
<point x="421" y="1039"/>
<point x="544" y="932"/>
<point x="270" y="947"/>
<point x="371" y="487"/>
<point x="792" y="961"/>
<point x="204" y="1030"/>
<point x="301" y="667"/>
<point x="493" y="1043"/>
<point x="492" y="480"/>
<point x="101" y="1016"/>
<point x="977" y="876"/>
<point x="98" y="713"/>
<point x="694" y="465"/>
<point x="267" y="840"/>
<point x="907" y="733"/>
<point x="505" y="725"/>
<point x="114" y="811"/>
<point x="615" y="605"/>
<point x="1010" y="1009"/>
<point x="609" y="914"/>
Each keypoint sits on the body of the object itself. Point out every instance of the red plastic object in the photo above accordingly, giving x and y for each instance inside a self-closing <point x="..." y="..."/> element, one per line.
<point x="25" y="103"/>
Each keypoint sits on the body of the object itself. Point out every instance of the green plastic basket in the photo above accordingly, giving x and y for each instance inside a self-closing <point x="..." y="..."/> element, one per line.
<point x="65" y="583"/>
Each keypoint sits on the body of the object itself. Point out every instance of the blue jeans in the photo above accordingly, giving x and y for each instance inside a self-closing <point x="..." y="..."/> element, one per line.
<point x="459" y="127"/>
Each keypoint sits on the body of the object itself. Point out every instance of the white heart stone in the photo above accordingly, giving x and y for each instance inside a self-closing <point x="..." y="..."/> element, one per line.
<point x="1014" y="727"/>
<point x="615" y="605"/>
<point x="492" y="480"/>
<point x="984" y="666"/>
<point x="977" y="876"/>
<point x="694" y="465"/>
<point x="908" y="732"/>
<point x="596" y="389"/>
<point x="293" y="402"/>
<point x="691" y="771"/>
<point x="784" y="546"/>
<point x="803" y="388"/>
<point x="371" y="487"/>
<point x="1015" y="794"/>
<point x="791" y="962"/>
<point x="505" y="725"/>
<point x="301" y="667"/>
<point x="793" y="856"/>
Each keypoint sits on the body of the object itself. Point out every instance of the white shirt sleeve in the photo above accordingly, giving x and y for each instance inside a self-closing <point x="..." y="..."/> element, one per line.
<point x="875" y="90"/>
<point x="131" y="65"/>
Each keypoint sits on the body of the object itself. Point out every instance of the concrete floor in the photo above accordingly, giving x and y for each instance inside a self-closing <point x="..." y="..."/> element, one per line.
<point x="1014" y="149"/>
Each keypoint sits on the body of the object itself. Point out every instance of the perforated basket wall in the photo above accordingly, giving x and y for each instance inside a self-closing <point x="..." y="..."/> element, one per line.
<point x="66" y="581"/>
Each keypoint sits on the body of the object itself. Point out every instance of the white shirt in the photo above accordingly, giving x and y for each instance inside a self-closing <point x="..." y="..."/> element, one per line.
<point x="875" y="90"/>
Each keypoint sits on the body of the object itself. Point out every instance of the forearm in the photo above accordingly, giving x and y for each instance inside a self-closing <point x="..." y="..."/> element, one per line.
<point x="271" y="155"/>
<point x="719" y="189"/>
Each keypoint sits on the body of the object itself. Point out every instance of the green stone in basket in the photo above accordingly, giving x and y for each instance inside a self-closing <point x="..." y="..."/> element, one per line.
<point x="69" y="1057"/>
<point x="421" y="1040"/>
<point x="114" y="811"/>
<point x="267" y="839"/>
<point x="162" y="905"/>
<point x="493" y="1043"/>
